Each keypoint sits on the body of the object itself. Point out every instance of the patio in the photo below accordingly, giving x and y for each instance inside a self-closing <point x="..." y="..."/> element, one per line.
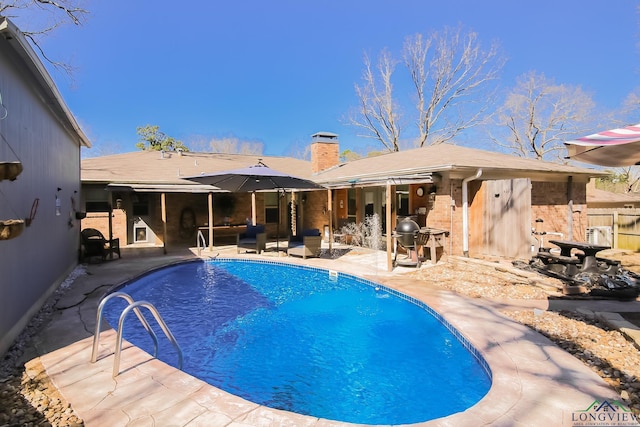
<point x="534" y="381"/>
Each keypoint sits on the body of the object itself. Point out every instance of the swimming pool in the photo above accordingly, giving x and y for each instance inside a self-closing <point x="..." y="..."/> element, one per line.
<point x="301" y="339"/>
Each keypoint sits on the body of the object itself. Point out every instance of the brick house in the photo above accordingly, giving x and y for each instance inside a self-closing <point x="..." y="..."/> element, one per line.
<point x="490" y="198"/>
<point x="493" y="199"/>
<point x="152" y="205"/>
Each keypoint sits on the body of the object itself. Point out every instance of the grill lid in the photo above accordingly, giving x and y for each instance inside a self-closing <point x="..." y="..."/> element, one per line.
<point x="407" y="225"/>
<point x="406" y="230"/>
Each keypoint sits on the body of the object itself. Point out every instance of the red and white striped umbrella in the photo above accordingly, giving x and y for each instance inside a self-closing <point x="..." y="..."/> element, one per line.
<point x="616" y="147"/>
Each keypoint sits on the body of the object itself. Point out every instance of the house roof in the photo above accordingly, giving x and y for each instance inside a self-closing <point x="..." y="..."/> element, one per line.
<point x="158" y="171"/>
<point x="595" y="195"/>
<point x="423" y="165"/>
<point x="26" y="57"/>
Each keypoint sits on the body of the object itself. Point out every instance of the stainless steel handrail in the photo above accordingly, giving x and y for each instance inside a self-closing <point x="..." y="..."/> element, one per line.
<point x="165" y="329"/>
<point x="200" y="238"/>
<point x="145" y="324"/>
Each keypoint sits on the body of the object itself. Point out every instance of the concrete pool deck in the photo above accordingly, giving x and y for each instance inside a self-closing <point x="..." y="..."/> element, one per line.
<point x="535" y="383"/>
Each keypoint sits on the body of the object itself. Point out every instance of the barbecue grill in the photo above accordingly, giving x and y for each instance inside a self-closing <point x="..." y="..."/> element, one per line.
<point x="406" y="235"/>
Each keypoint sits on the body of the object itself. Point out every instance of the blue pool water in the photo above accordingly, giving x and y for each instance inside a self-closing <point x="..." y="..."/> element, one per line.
<point x="303" y="340"/>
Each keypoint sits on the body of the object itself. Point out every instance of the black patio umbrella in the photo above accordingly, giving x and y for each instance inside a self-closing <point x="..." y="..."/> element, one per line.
<point x="254" y="178"/>
<point x="258" y="177"/>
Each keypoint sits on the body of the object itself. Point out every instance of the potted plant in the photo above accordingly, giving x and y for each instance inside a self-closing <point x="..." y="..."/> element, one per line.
<point x="10" y="170"/>
<point x="11" y="228"/>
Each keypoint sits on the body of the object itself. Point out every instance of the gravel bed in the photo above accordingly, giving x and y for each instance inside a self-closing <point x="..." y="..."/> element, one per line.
<point x="28" y="398"/>
<point x="605" y="351"/>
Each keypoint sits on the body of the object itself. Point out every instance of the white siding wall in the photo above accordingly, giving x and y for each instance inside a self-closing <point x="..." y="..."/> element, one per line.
<point x="33" y="264"/>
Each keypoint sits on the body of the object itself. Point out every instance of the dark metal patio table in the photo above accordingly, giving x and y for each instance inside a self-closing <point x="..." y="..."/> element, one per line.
<point x="589" y="262"/>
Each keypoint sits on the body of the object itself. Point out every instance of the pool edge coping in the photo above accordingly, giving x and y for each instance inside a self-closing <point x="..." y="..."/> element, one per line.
<point x="503" y="387"/>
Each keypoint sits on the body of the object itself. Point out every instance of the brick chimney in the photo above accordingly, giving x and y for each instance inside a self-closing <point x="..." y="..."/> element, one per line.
<point x="324" y="151"/>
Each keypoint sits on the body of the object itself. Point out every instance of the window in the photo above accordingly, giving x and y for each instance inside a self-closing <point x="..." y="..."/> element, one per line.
<point x="351" y="205"/>
<point x="140" y="205"/>
<point x="271" y="208"/>
<point x="402" y="200"/>
<point x="97" y="199"/>
<point x="140" y="209"/>
<point x="97" y="206"/>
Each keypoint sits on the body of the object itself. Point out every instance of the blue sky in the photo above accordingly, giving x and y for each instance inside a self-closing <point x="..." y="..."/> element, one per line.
<point x="277" y="71"/>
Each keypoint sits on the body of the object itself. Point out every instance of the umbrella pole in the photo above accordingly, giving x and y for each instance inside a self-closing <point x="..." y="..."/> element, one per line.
<point x="278" y="226"/>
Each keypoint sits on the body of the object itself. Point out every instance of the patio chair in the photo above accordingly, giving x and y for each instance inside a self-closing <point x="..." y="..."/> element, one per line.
<point x="255" y="239"/>
<point x="95" y="244"/>
<point x="306" y="244"/>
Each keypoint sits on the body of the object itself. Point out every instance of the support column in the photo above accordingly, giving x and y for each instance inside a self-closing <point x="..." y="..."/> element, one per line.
<point x="163" y="204"/>
<point x="210" y="200"/>
<point x="570" y="208"/>
<point x="388" y="228"/>
<point x="330" y="213"/>
<point x="110" y="229"/>
<point x="254" y="214"/>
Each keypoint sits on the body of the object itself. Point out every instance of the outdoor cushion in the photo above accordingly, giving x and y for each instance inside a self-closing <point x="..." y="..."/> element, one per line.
<point x="308" y="243"/>
<point x="295" y="240"/>
<point x="254" y="238"/>
<point x="311" y="232"/>
<point x="252" y="231"/>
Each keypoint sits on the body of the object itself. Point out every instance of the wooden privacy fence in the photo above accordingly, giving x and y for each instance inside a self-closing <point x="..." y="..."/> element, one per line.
<point x="617" y="227"/>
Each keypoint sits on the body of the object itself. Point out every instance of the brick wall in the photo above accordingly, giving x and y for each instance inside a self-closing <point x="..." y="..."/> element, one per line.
<point x="324" y="155"/>
<point x="314" y="211"/>
<point x="178" y="204"/>
<point x="100" y="221"/>
<point x="549" y="202"/>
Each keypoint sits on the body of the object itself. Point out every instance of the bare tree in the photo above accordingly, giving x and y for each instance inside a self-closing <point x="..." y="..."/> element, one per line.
<point x="226" y="145"/>
<point x="539" y="115"/>
<point x="41" y="17"/>
<point x="448" y="71"/>
<point x="456" y="71"/>
<point x="378" y="112"/>
<point x="620" y="180"/>
<point x="630" y="111"/>
<point x="631" y="176"/>
<point x="233" y="145"/>
<point x="299" y="149"/>
<point x="628" y="177"/>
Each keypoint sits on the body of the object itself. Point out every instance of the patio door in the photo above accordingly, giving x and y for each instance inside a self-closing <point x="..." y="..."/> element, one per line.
<point x="374" y="202"/>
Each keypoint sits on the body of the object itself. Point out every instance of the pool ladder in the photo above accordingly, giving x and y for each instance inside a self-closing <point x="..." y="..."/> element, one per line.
<point x="133" y="306"/>
<point x="200" y="239"/>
